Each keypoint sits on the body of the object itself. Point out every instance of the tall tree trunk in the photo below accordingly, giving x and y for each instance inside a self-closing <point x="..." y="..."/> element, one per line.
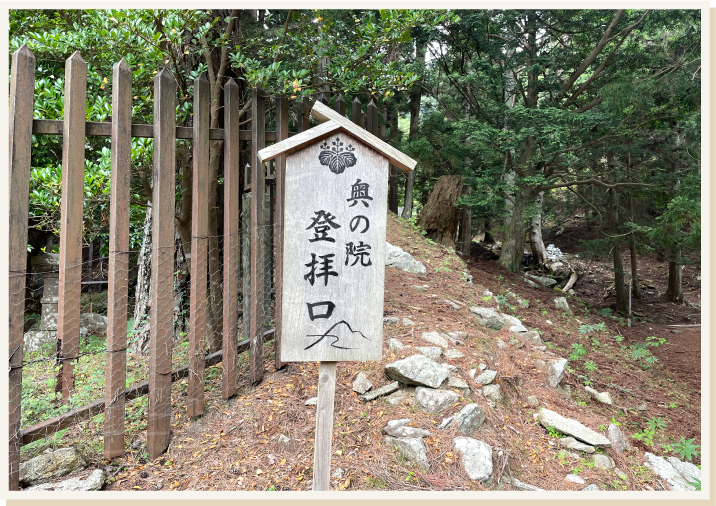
<point x="635" y="288"/>
<point x="489" y="238"/>
<point x="513" y="245"/>
<point x="539" y="254"/>
<point x="142" y="292"/>
<point x="466" y="225"/>
<point x="414" y="108"/>
<point x="613" y="217"/>
<point x="674" y="291"/>
<point x="439" y="218"/>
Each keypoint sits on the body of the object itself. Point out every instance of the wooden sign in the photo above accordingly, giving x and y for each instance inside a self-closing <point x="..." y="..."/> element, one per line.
<point x="335" y="214"/>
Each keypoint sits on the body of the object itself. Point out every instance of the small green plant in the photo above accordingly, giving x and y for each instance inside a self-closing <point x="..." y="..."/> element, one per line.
<point x="590" y="366"/>
<point x="686" y="448"/>
<point x="411" y="475"/>
<point x="605" y="311"/>
<point x="501" y="299"/>
<point x="614" y="422"/>
<point x="647" y="437"/>
<point x="655" y="341"/>
<point x="543" y="311"/>
<point x="619" y="339"/>
<point x="696" y="483"/>
<point x="487" y="298"/>
<point x="667" y="448"/>
<point x="579" y="351"/>
<point x="656" y="423"/>
<point x="588" y="329"/>
<point x="554" y="432"/>
<point x="581" y="403"/>
<point x="672" y="405"/>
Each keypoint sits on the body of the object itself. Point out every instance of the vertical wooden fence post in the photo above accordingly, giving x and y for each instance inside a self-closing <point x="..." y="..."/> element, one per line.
<point x="115" y="381"/>
<point x="73" y="169"/>
<point x="356" y="112"/>
<point x="232" y="237"/>
<point x="340" y="105"/>
<point x="199" y="243"/>
<point x="22" y="91"/>
<point x="281" y="134"/>
<point x="306" y="114"/>
<point x="162" y="300"/>
<point x="324" y="426"/>
<point x="258" y="184"/>
<point x="372" y="117"/>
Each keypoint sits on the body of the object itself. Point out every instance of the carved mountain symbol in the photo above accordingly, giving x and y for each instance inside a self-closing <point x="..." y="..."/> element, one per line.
<point x="344" y="337"/>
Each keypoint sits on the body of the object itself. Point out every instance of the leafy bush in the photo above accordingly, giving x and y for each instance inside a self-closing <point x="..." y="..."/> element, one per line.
<point x="686" y="448"/>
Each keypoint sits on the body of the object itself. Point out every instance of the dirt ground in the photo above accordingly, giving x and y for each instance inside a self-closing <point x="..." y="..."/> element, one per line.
<point x="238" y="443"/>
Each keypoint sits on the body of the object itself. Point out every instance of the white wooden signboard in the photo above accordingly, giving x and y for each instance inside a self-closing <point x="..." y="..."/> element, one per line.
<point x="334" y="251"/>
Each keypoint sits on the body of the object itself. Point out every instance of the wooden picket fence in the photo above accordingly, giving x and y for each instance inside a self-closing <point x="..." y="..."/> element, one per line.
<point x="73" y="129"/>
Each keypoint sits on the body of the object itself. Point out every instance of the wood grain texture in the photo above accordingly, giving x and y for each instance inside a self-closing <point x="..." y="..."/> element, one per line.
<point x="162" y="293"/>
<point x="324" y="113"/>
<point x="356" y="292"/>
<point x="22" y="89"/>
<point x="356" y="112"/>
<point x="199" y="243"/>
<point x="73" y="167"/>
<point x="258" y="119"/>
<point x="340" y="105"/>
<point x="298" y="141"/>
<point x="115" y="381"/>
<point x="324" y="426"/>
<point x="282" y="134"/>
<point x="54" y="127"/>
<point x="232" y="237"/>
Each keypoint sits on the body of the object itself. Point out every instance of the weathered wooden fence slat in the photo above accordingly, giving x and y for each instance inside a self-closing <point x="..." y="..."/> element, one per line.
<point x="104" y="129"/>
<point x="118" y="260"/>
<point x="324" y="426"/>
<point x="256" y="318"/>
<point x="356" y="110"/>
<point x="199" y="243"/>
<point x="73" y="168"/>
<point x="22" y="91"/>
<point x="372" y="117"/>
<point x="232" y="236"/>
<point x="281" y="133"/>
<point x="162" y="299"/>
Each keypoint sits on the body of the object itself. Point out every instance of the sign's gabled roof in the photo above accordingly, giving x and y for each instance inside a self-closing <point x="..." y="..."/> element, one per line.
<point x="333" y="122"/>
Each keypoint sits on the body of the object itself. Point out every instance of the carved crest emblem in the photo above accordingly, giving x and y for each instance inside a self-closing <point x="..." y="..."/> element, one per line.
<point x="336" y="157"/>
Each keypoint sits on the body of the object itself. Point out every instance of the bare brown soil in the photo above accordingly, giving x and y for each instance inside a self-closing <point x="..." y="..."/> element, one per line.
<point x="235" y="445"/>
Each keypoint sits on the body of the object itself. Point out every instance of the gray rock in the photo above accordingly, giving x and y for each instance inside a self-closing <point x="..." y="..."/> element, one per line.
<point x="561" y="303"/>
<point x="458" y="335"/>
<point x="92" y="481"/>
<point x="51" y="466"/>
<point x="591" y="488"/>
<point x="338" y="473"/>
<point x="432" y="352"/>
<point x="435" y="338"/>
<point x="602" y="397"/>
<point x="492" y="392"/>
<point x="434" y="401"/>
<point x="641" y="407"/>
<point x="573" y="428"/>
<point x="667" y="472"/>
<point x="488" y="317"/>
<point x="459" y="384"/>
<point x="412" y="449"/>
<point x="467" y="277"/>
<point x="532" y="400"/>
<point x="46" y="262"/>
<point x="603" y="462"/>
<point x="524" y="487"/>
<point x="283" y="439"/>
<point x="617" y="438"/>
<point x="573" y="444"/>
<point x="421" y="288"/>
<point x="362" y="384"/>
<point x="531" y="283"/>
<point x="476" y="458"/>
<point x="501" y="344"/>
<point x="395" y="345"/>
<point x="542" y="280"/>
<point x="34" y="339"/>
<point x="481" y="366"/>
<point x="311" y="402"/>
<point x="398" y="259"/>
<point x="514" y="323"/>
<point x="472" y="373"/>
<point x="575" y="479"/>
<point x="93" y="324"/>
<point x="469" y="419"/>
<point x="453" y="353"/>
<point x="565" y="390"/>
<point x="417" y="370"/>
<point x="390" y="320"/>
<point x="446" y="422"/>
<point x="451" y="304"/>
<point x="408" y="322"/>
<point x="685" y="469"/>
<point x="384" y="390"/>
<point x="486" y="377"/>
<point x="531" y="336"/>
<point x="402" y="396"/>
<point x="555" y="371"/>
<point x="401" y="428"/>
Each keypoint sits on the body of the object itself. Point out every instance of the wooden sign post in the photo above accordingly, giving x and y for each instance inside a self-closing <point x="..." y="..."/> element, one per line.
<point x="335" y="212"/>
